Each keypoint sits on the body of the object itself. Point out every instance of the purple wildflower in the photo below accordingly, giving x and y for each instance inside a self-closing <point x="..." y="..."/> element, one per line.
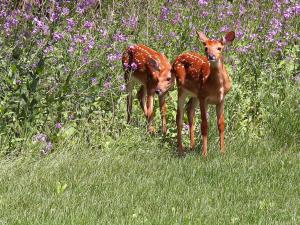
<point x="48" y="49"/>
<point x="107" y="85"/>
<point x="277" y="6"/>
<point x="242" y="10"/>
<point x="224" y="28"/>
<point x="186" y="127"/>
<point x="65" y="11"/>
<point x="123" y="87"/>
<point x="79" y="38"/>
<point x="48" y="147"/>
<point x="71" y="116"/>
<point x="103" y="33"/>
<point x="164" y="13"/>
<point x="125" y="64"/>
<point x="159" y="37"/>
<point x="245" y="49"/>
<point x="229" y="12"/>
<point x="58" y="125"/>
<point x="173" y="35"/>
<point x="11" y="22"/>
<point x="57" y="36"/>
<point x="131" y="22"/>
<point x="288" y="13"/>
<point x="53" y="16"/>
<point x="40" y="137"/>
<point x="71" y="49"/>
<point x="94" y="81"/>
<point x="84" y="59"/>
<point x="90" y="45"/>
<point x="18" y="82"/>
<point x="202" y="2"/>
<point x="177" y="18"/>
<point x="114" y="56"/>
<point x="253" y="36"/>
<point x="40" y="25"/>
<point x="3" y="13"/>
<point x="85" y="4"/>
<point x="119" y="37"/>
<point x="71" y="24"/>
<point x="281" y="44"/>
<point x="80" y="9"/>
<point x="44" y="140"/>
<point x="205" y="13"/>
<point x="88" y="25"/>
<point x="133" y="66"/>
<point x="297" y="9"/>
<point x="239" y="33"/>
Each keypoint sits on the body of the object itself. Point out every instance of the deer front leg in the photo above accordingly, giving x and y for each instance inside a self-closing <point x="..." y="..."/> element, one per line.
<point x="221" y="125"/>
<point x="179" y="119"/>
<point x="150" y="112"/>
<point x="204" y="126"/>
<point x="163" y="112"/>
<point x="191" y="118"/>
<point x="142" y="97"/>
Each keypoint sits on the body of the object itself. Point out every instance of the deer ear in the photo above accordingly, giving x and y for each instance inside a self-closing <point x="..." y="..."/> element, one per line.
<point x="154" y="66"/>
<point x="228" y="39"/>
<point x="202" y="37"/>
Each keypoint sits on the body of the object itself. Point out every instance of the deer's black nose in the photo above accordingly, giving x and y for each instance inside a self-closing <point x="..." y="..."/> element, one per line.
<point x="158" y="91"/>
<point x="211" y="57"/>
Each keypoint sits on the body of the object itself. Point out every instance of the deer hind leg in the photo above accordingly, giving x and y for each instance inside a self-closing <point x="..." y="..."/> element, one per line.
<point x="191" y="118"/>
<point x="129" y="87"/>
<point x="150" y="111"/>
<point x="221" y="125"/>
<point x="163" y="112"/>
<point x="179" y="119"/>
<point x="204" y="126"/>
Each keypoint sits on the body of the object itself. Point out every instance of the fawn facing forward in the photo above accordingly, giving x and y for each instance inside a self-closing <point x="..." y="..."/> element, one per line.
<point x="206" y="80"/>
<point x="152" y="70"/>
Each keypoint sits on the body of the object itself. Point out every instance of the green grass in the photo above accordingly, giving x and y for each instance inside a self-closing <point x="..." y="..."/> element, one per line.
<point x="138" y="179"/>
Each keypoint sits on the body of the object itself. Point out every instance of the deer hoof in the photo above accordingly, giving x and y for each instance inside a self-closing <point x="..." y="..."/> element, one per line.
<point x="151" y="130"/>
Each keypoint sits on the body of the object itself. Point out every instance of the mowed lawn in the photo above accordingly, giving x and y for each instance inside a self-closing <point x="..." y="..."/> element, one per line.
<point x="138" y="179"/>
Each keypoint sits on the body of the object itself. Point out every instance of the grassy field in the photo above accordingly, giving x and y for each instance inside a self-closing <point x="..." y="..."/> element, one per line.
<point x="138" y="179"/>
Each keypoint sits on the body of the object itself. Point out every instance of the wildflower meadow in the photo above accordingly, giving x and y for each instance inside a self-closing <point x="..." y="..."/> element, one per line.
<point x="67" y="154"/>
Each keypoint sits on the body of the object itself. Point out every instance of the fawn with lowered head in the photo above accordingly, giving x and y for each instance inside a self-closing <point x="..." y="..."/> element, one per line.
<point x="206" y="80"/>
<point x="152" y="70"/>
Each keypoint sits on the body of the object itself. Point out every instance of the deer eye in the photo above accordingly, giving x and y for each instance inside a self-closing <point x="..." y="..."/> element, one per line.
<point x="169" y="78"/>
<point x="219" y="49"/>
<point x="205" y="49"/>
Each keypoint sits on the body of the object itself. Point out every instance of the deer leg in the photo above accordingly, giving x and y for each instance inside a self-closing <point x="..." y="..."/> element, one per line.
<point x="221" y="125"/>
<point x="129" y="88"/>
<point x="150" y="112"/>
<point x="179" y="119"/>
<point x="142" y="97"/>
<point x="204" y="126"/>
<point x="163" y="111"/>
<point x="191" y="118"/>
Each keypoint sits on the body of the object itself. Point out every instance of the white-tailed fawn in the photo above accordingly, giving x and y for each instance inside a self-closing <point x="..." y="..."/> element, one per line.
<point x="152" y="70"/>
<point x="206" y="81"/>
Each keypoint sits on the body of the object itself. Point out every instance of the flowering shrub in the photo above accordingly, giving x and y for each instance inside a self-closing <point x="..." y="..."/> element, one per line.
<point x="60" y="60"/>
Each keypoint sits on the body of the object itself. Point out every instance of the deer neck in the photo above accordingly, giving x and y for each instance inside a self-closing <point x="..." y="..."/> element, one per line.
<point x="217" y="71"/>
